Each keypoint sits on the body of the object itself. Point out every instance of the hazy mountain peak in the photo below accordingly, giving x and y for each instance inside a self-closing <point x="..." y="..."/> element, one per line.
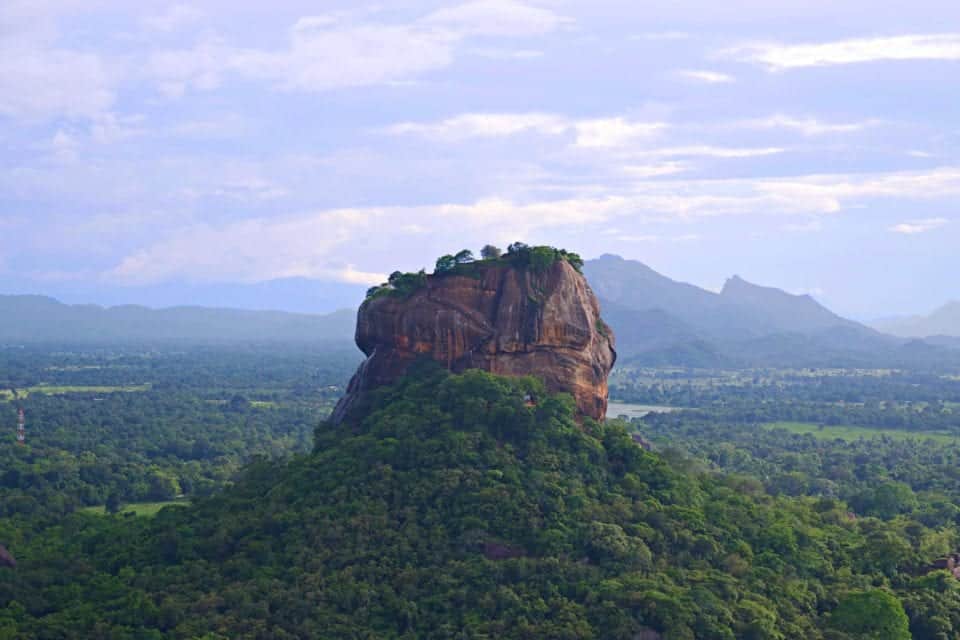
<point x="615" y="262"/>
<point x="610" y="257"/>
<point x="787" y="311"/>
<point x="653" y="314"/>
<point x="31" y="318"/>
<point x="735" y="285"/>
<point x="944" y="321"/>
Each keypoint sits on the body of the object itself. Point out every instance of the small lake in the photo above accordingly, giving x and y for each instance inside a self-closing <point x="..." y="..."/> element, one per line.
<point x="615" y="409"/>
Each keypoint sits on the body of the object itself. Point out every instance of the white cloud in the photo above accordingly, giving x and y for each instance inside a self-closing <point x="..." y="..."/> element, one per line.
<point x="588" y="133"/>
<point x="227" y="125"/>
<point x="504" y="18"/>
<point x="663" y="35"/>
<point x="507" y="54"/>
<point x="805" y="196"/>
<point x="318" y="244"/>
<point x="709" y="151"/>
<point x="109" y="127"/>
<point x="250" y="250"/>
<point x="199" y="68"/>
<point x="351" y="275"/>
<point x="38" y="83"/>
<point x="808" y="126"/>
<point x="778" y="56"/>
<point x="103" y="129"/>
<point x="810" y="226"/>
<point x="913" y="227"/>
<point x="592" y="133"/>
<point x="172" y="19"/>
<point x="484" y="125"/>
<point x="831" y="193"/>
<point x="321" y="58"/>
<point x="654" y="170"/>
<point x="250" y="189"/>
<point x="307" y="245"/>
<point x="64" y="146"/>
<point x="605" y="133"/>
<point x="40" y="77"/>
<point x="327" y="52"/>
<point x="621" y="236"/>
<point x="709" y="77"/>
<point x="602" y="133"/>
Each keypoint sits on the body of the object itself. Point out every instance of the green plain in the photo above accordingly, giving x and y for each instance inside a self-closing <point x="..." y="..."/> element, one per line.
<point x="148" y="509"/>
<point x="850" y="432"/>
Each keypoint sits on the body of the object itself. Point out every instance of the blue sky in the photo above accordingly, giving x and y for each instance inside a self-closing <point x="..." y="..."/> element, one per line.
<point x="801" y="145"/>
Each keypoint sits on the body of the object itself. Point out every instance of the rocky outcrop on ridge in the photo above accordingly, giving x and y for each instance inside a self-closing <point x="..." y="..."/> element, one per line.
<point x="496" y="316"/>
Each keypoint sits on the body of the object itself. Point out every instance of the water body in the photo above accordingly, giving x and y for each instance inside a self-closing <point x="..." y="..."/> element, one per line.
<point x="616" y="409"/>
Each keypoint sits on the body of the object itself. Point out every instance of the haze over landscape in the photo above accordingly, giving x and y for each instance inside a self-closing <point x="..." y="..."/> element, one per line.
<point x="178" y="153"/>
<point x="509" y="319"/>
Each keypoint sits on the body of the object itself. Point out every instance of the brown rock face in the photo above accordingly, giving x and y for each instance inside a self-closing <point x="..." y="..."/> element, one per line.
<point x="503" y="319"/>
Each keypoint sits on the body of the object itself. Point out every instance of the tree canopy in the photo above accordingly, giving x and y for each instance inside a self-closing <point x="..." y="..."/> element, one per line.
<point x="453" y="505"/>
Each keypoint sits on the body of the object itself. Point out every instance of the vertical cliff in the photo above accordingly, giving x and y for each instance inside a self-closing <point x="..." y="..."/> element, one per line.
<point x="496" y="316"/>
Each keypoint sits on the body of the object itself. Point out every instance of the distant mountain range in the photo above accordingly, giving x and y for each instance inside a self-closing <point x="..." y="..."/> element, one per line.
<point x="295" y="295"/>
<point x="945" y="321"/>
<point x="26" y="319"/>
<point x="659" y="321"/>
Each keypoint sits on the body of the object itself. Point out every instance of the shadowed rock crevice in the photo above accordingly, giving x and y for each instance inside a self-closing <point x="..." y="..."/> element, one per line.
<point x="6" y="558"/>
<point x="502" y="318"/>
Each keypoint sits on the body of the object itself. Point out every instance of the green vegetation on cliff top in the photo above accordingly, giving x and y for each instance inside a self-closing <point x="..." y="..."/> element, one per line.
<point x="518" y="254"/>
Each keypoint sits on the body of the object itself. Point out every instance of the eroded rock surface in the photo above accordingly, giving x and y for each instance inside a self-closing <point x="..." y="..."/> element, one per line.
<point x="501" y="318"/>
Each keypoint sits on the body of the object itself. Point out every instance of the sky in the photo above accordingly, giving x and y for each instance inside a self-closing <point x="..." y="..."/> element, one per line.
<point x="179" y="147"/>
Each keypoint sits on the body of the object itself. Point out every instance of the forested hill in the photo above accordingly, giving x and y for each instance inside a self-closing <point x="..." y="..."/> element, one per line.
<point x="454" y="508"/>
<point x="25" y="319"/>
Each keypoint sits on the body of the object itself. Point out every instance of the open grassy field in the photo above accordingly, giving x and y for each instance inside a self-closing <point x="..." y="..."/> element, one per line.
<point x="849" y="432"/>
<point x="148" y="509"/>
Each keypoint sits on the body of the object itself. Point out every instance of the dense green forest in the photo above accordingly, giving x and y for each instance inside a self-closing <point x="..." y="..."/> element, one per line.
<point x="138" y="425"/>
<point x="876" y="475"/>
<point x="452" y="508"/>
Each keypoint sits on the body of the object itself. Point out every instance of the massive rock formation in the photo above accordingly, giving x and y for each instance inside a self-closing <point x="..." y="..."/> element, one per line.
<point x="501" y="318"/>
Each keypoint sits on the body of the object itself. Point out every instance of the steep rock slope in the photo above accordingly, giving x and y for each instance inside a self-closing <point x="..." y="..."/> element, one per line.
<point x="500" y="318"/>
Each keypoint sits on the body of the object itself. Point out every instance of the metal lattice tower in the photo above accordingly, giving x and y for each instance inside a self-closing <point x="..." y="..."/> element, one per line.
<point x="21" y="427"/>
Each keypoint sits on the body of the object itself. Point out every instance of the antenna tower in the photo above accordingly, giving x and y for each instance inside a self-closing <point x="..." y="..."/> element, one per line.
<point x="21" y="428"/>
